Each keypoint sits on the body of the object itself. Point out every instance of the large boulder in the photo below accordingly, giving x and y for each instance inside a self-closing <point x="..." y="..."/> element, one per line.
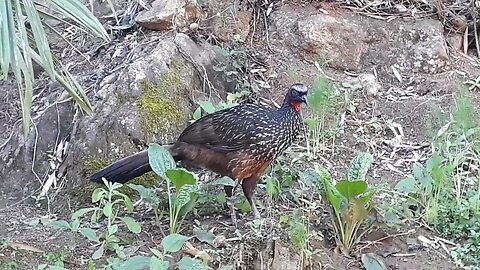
<point x="149" y="99"/>
<point x="347" y="41"/>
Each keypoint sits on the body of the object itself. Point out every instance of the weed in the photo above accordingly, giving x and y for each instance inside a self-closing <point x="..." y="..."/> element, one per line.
<point x="446" y="190"/>
<point x="110" y="203"/>
<point x="473" y="84"/>
<point x="322" y="103"/>
<point x="234" y="67"/>
<point x="183" y="199"/>
<point x="350" y="200"/>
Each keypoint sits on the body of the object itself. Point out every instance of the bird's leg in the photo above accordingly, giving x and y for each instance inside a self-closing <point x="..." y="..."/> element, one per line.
<point x="231" y="203"/>
<point x="248" y="186"/>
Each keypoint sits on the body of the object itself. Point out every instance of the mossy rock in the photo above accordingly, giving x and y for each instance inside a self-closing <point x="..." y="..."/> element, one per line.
<point x="163" y="103"/>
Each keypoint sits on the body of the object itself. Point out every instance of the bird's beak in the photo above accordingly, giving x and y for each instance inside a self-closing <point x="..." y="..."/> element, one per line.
<point x="304" y="99"/>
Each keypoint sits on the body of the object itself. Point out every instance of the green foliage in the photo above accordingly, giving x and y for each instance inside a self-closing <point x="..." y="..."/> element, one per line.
<point x="110" y="203"/>
<point x="473" y="84"/>
<point x="351" y="203"/>
<point x="23" y="41"/>
<point x="207" y="107"/>
<point x="321" y="122"/>
<point x="184" y="193"/>
<point x="234" y="66"/>
<point x="445" y="191"/>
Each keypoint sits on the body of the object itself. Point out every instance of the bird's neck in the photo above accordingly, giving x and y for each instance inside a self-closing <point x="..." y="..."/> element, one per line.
<point x="295" y="105"/>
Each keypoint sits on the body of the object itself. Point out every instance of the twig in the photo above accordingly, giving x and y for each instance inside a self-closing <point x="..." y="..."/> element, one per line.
<point x="385" y="238"/>
<point x="474" y="16"/>
<point x="11" y="133"/>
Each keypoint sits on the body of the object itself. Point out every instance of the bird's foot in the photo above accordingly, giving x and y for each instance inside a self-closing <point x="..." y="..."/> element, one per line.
<point x="233" y="214"/>
<point x="256" y="214"/>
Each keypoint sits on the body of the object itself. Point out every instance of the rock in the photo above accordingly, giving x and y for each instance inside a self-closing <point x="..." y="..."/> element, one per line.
<point x="348" y="41"/>
<point x="168" y="14"/>
<point x="370" y="84"/>
<point x="455" y="41"/>
<point x="149" y="99"/>
<point x="337" y="41"/>
<point x="227" y="19"/>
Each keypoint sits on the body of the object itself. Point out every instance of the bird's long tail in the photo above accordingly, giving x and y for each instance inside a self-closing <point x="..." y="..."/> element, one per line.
<point x="124" y="169"/>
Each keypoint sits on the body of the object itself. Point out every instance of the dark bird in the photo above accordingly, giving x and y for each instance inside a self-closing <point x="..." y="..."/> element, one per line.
<point x="239" y="142"/>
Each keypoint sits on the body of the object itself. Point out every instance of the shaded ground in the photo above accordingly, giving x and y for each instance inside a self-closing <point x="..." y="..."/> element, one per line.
<point x="26" y="242"/>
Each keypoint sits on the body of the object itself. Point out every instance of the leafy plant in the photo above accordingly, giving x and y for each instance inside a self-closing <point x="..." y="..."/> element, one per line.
<point x="322" y="102"/>
<point x="473" y="84"/>
<point x="110" y="203"/>
<point x="207" y="107"/>
<point x="446" y="190"/>
<point x="350" y="201"/>
<point x="234" y="66"/>
<point x="182" y="198"/>
<point x="23" y="41"/>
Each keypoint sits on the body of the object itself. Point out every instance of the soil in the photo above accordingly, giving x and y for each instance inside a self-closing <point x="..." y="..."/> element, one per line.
<point x="26" y="242"/>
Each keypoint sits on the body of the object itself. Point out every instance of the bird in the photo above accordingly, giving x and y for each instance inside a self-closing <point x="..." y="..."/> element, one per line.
<point x="239" y="142"/>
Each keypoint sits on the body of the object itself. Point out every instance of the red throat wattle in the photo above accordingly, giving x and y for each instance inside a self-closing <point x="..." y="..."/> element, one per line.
<point x="296" y="105"/>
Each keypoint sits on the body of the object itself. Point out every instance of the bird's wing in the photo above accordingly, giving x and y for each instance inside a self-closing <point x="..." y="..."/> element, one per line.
<point x="226" y="130"/>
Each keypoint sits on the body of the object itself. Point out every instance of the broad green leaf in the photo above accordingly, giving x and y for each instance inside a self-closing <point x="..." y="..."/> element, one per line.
<point x="75" y="225"/>
<point x="244" y="206"/>
<point x="146" y="193"/>
<point x="367" y="196"/>
<point x="373" y="262"/>
<point x="160" y="159"/>
<point x="204" y="236"/>
<point x="417" y="170"/>
<point x="79" y="213"/>
<point x="132" y="224"/>
<point x="187" y="263"/>
<point x="136" y="262"/>
<point x="351" y="189"/>
<point x="113" y="229"/>
<point x="197" y="114"/>
<point x="90" y="234"/>
<point x="156" y="252"/>
<point x="359" y="166"/>
<point x="207" y="106"/>
<point x="99" y="252"/>
<point x="184" y="195"/>
<point x="173" y="242"/>
<point x="157" y="264"/>
<point x="225" y="181"/>
<point x="355" y="213"/>
<point x="59" y="224"/>
<point x="407" y="185"/>
<point x="98" y="194"/>
<point x="333" y="196"/>
<point x="181" y="177"/>
<point x="108" y="209"/>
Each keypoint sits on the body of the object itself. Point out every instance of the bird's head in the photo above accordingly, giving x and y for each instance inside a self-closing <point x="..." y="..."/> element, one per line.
<point x="296" y="95"/>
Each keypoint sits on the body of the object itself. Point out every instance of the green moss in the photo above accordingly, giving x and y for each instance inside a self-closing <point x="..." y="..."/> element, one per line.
<point x="90" y="166"/>
<point x="162" y="102"/>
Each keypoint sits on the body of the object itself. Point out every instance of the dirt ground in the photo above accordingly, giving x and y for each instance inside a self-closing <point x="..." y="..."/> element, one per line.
<point x="25" y="242"/>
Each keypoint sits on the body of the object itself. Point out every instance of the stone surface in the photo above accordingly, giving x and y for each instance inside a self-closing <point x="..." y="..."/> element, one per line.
<point x="168" y="14"/>
<point x="228" y="18"/>
<point x="149" y="99"/>
<point x="352" y="42"/>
